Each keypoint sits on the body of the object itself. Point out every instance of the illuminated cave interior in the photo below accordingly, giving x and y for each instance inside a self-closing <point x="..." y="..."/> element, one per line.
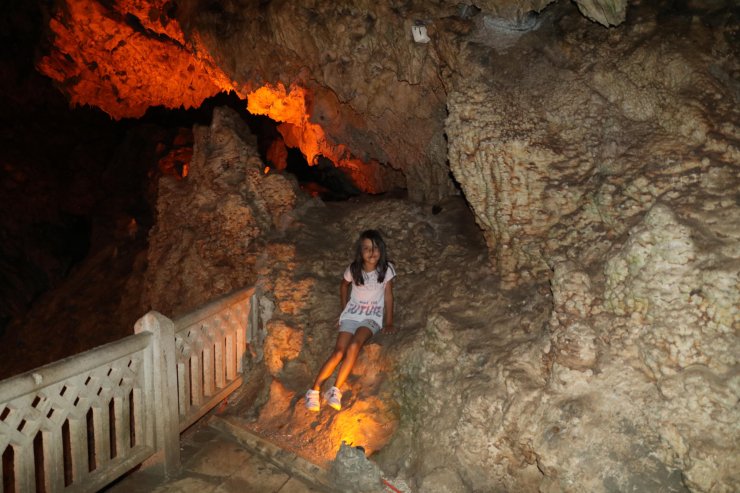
<point x="556" y="180"/>
<point x="321" y="178"/>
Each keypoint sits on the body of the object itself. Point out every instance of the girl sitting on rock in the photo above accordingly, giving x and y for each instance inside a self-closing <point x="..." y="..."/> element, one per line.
<point x="371" y="277"/>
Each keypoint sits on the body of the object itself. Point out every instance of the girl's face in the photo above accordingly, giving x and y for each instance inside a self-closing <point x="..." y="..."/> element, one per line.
<point x="370" y="255"/>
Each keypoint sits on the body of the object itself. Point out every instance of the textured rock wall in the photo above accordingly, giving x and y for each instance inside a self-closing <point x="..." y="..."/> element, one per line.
<point x="602" y="397"/>
<point x="207" y="222"/>
<point x="560" y="158"/>
<point x="375" y="90"/>
<point x="615" y="176"/>
<point x="678" y="305"/>
<point x="662" y="331"/>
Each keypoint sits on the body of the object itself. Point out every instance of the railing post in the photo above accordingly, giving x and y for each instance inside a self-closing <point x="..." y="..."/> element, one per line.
<point x="164" y="383"/>
<point x="253" y="326"/>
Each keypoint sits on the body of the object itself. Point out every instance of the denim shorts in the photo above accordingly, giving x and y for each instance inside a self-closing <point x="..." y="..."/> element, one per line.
<point x="351" y="326"/>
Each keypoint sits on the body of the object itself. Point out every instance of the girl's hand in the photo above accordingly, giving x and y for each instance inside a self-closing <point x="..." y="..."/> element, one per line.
<point x="388" y="329"/>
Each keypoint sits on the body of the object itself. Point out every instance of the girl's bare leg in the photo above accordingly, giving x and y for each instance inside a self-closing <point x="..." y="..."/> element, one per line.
<point x="343" y="340"/>
<point x="350" y="354"/>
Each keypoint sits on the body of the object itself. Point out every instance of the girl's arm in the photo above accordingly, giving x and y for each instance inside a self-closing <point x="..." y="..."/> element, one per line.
<point x="388" y="327"/>
<point x="344" y="293"/>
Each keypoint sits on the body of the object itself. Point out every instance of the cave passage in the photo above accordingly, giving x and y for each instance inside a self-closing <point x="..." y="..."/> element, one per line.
<point x="322" y="179"/>
<point x="85" y="203"/>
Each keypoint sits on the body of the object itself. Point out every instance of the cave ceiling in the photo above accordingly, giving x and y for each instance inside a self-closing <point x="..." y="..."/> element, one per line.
<point x="364" y="91"/>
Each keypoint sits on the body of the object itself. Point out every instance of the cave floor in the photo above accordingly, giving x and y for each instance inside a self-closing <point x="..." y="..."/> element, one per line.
<point x="214" y="462"/>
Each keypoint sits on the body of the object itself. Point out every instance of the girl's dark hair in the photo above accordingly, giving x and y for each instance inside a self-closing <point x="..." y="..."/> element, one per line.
<point x="355" y="268"/>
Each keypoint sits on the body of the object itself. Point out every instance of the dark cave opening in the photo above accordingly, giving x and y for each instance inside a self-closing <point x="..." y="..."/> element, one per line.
<point x="323" y="179"/>
<point x="92" y="184"/>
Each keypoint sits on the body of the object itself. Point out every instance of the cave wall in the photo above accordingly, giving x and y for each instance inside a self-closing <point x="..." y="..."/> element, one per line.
<point x="560" y="158"/>
<point x="374" y="89"/>
<point x="609" y="165"/>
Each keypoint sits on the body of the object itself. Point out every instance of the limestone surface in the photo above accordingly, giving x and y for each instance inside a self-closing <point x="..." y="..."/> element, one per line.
<point x="560" y="158"/>
<point x="606" y="12"/>
<point x="569" y="318"/>
<point x="207" y="221"/>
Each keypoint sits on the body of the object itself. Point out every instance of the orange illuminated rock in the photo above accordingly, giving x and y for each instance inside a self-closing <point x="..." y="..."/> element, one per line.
<point x="154" y="15"/>
<point x="368" y="422"/>
<point x="176" y="162"/>
<point x="124" y="68"/>
<point x="283" y="343"/>
<point x="128" y="55"/>
<point x="290" y="108"/>
<point x="277" y="154"/>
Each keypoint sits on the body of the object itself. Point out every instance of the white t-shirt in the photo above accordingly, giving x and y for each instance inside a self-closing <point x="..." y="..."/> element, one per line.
<point x="367" y="300"/>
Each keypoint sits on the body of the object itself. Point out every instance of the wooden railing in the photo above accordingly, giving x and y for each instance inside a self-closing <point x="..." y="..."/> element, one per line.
<point x="80" y="423"/>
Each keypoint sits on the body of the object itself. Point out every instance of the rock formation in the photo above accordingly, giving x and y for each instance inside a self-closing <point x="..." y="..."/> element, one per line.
<point x="207" y="223"/>
<point x="371" y="87"/>
<point x="606" y="12"/>
<point x="616" y="374"/>
<point x="582" y="337"/>
<point x="559" y="166"/>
